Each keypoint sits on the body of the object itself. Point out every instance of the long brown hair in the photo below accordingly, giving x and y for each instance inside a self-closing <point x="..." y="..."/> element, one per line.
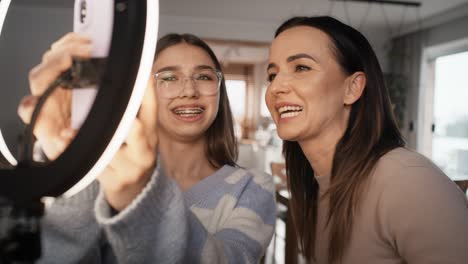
<point x="221" y="147"/>
<point x="371" y="132"/>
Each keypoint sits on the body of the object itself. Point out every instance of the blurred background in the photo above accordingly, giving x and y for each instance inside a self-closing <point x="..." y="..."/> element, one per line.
<point x="422" y="47"/>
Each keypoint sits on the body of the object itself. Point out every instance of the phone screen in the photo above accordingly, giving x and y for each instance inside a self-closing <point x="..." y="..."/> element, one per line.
<point x="94" y="19"/>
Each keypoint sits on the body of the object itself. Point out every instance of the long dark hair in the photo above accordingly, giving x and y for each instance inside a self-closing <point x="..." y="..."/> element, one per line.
<point x="371" y="132"/>
<point x="221" y="147"/>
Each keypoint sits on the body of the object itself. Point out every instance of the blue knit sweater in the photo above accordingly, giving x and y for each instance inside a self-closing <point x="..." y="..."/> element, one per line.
<point x="228" y="217"/>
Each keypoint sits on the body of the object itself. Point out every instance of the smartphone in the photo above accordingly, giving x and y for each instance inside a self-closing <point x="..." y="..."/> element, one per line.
<point x="94" y="19"/>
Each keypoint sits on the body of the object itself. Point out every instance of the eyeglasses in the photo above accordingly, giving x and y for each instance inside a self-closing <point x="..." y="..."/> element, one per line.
<point x="172" y="83"/>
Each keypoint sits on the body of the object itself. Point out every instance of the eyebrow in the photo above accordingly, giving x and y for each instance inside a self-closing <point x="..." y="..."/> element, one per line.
<point x="301" y="56"/>
<point x="293" y="58"/>
<point x="271" y="65"/>
<point x="203" y="67"/>
<point x="177" y="68"/>
<point x="168" y="68"/>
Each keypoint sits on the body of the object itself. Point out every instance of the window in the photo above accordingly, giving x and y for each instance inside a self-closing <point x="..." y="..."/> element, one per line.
<point x="239" y="90"/>
<point x="263" y="107"/>
<point x="236" y="90"/>
<point x="450" y="131"/>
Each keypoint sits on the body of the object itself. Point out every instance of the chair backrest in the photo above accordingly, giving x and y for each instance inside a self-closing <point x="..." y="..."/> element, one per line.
<point x="463" y="185"/>
<point x="278" y="169"/>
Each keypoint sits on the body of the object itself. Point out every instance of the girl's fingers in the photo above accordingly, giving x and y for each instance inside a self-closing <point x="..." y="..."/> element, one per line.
<point x="126" y="171"/>
<point x="138" y="147"/>
<point x="148" y="110"/>
<point x="68" y="133"/>
<point x="54" y="63"/>
<point x="70" y="37"/>
<point x="26" y="108"/>
<point x="73" y="49"/>
<point x="149" y="102"/>
<point x="60" y="145"/>
<point x="108" y="178"/>
<point x="136" y="140"/>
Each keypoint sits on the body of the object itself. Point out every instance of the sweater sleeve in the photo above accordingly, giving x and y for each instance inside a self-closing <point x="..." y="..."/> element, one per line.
<point x="69" y="231"/>
<point x="158" y="227"/>
<point x="152" y="229"/>
<point x="427" y="217"/>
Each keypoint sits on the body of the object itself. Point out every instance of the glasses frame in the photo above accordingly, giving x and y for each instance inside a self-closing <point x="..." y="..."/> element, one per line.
<point x="218" y="73"/>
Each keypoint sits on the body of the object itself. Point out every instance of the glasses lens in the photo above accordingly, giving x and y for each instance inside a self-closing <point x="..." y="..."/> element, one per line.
<point x="169" y="77"/>
<point x="171" y="83"/>
<point x="207" y="81"/>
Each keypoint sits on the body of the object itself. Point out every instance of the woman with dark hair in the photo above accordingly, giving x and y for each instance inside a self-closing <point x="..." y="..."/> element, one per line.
<point x="173" y="192"/>
<point x="357" y="194"/>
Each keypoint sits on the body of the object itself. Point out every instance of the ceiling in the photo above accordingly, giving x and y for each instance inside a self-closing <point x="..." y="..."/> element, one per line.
<point x="355" y="13"/>
<point x="361" y="15"/>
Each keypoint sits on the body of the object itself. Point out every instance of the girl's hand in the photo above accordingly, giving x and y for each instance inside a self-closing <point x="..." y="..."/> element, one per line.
<point x="132" y="167"/>
<point x="52" y="128"/>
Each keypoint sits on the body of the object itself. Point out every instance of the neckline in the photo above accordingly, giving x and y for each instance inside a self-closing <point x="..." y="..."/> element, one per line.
<point x="323" y="182"/>
<point x="202" y="188"/>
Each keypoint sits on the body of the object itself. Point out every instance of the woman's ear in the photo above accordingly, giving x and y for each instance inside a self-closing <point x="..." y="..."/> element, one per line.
<point x="355" y="87"/>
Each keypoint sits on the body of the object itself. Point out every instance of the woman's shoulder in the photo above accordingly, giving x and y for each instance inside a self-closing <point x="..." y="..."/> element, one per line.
<point x="416" y="207"/>
<point x="402" y="159"/>
<point x="404" y="169"/>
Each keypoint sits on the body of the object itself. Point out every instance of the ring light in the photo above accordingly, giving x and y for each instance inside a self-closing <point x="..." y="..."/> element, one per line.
<point x="119" y="96"/>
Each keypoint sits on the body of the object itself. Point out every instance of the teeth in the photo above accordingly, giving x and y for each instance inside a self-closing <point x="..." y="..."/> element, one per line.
<point x="187" y="115"/>
<point x="283" y="109"/>
<point x="289" y="114"/>
<point x="188" y="111"/>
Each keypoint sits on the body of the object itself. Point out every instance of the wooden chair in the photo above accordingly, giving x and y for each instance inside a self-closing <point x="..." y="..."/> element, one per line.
<point x="291" y="247"/>
<point x="278" y="169"/>
<point x="463" y="185"/>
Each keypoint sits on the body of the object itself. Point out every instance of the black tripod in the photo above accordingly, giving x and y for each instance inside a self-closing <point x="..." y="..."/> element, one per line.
<point x="20" y="241"/>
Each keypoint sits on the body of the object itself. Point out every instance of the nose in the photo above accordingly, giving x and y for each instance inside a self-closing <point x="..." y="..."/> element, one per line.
<point x="189" y="88"/>
<point x="281" y="84"/>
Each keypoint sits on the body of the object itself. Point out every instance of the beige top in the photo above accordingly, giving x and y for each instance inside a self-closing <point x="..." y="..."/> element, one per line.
<point x="412" y="214"/>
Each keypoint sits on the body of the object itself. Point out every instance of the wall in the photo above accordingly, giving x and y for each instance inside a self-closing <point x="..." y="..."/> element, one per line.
<point x="216" y="28"/>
